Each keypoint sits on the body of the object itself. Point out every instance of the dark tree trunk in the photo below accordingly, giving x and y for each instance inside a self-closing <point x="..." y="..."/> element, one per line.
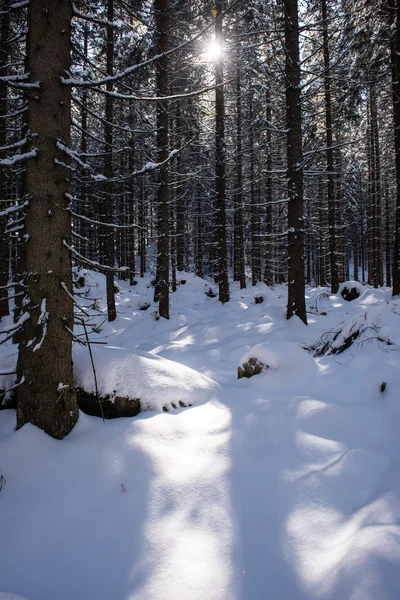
<point x="81" y="225"/>
<point x="255" y="218"/>
<point x="162" y="277"/>
<point x="329" y="154"/>
<point x="394" y="17"/>
<point x="321" y="245"/>
<point x="109" y="232"/>
<point x="220" y="169"/>
<point x="375" y="191"/>
<point x="199" y="237"/>
<point x="4" y="52"/>
<point x="296" y="284"/>
<point x="130" y="235"/>
<point x="388" y="239"/>
<point x="268" y="272"/>
<point x="181" y="215"/>
<point x="142" y="223"/>
<point x="238" y="259"/>
<point x="46" y="394"/>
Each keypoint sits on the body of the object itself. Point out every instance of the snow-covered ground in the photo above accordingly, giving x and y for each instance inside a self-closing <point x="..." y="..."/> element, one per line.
<point x="284" y="486"/>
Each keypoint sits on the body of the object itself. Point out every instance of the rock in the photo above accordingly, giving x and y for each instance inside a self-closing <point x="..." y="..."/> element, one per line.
<point x="80" y="282"/>
<point x="210" y="293"/>
<point x="351" y="290"/>
<point x="113" y="406"/>
<point x="252" y="367"/>
<point x="259" y="299"/>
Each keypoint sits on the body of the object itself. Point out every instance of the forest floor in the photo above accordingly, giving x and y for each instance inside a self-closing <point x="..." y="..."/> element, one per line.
<point x="284" y="486"/>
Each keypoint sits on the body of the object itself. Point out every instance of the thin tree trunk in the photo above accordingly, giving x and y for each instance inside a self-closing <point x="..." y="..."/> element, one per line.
<point x="46" y="394"/>
<point x="142" y="223"/>
<point x="162" y="277"/>
<point x="239" y="259"/>
<point x="388" y="239"/>
<point x="394" y="17"/>
<point x="296" y="283"/>
<point x="253" y="203"/>
<point x="109" y="233"/>
<point x="199" y="237"/>
<point x="4" y="52"/>
<point x="220" y="168"/>
<point x="329" y="154"/>
<point x="268" y="272"/>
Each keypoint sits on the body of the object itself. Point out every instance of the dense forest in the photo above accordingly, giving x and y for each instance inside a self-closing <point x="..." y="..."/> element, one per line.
<point x="199" y="235"/>
<point x="239" y="140"/>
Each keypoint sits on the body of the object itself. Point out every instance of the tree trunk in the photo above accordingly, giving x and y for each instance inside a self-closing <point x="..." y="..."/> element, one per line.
<point x="46" y="394"/>
<point x="162" y="277"/>
<point x="239" y="260"/>
<point x="254" y="204"/>
<point x="329" y="154"/>
<point x="268" y="272"/>
<point x="109" y="233"/>
<point x="296" y="284"/>
<point x="199" y="236"/>
<point x="394" y="17"/>
<point x="388" y="239"/>
<point x="220" y="168"/>
<point x="4" y="52"/>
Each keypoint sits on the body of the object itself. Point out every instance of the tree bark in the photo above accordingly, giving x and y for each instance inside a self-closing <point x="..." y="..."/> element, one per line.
<point x="4" y="53"/>
<point x="239" y="259"/>
<point x="46" y="392"/>
<point x="162" y="277"/>
<point x="109" y="233"/>
<point x="220" y="168"/>
<point x="296" y="282"/>
<point x="329" y="154"/>
<point x="394" y="17"/>
<point x="268" y="269"/>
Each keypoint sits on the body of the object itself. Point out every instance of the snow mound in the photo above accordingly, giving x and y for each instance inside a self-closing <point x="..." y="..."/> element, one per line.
<point x="159" y="383"/>
<point x="350" y="290"/>
<point x="285" y="357"/>
<point x="380" y="325"/>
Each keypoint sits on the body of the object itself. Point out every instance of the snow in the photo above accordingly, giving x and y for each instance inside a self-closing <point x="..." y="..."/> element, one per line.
<point x="157" y="381"/>
<point x="287" y="358"/>
<point x="350" y="285"/>
<point x="285" y="485"/>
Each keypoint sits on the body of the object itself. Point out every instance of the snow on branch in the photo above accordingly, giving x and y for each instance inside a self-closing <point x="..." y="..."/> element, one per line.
<point x="17" y="5"/>
<point x="20" y="77"/>
<point x="70" y="80"/>
<point x="11" y="209"/>
<point x="94" y="222"/>
<point x="42" y="320"/>
<point x="16" y="145"/>
<point x="18" y="157"/>
<point x="85" y="17"/>
<point x="66" y="290"/>
<point x="72" y="154"/>
<point x="199" y="92"/>
<point x="93" y="263"/>
<point x="12" y="329"/>
<point x="148" y="167"/>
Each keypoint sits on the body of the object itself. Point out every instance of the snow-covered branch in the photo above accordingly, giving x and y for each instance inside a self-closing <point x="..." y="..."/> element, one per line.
<point x="7" y="162"/>
<point x="12" y="209"/>
<point x="93" y="263"/>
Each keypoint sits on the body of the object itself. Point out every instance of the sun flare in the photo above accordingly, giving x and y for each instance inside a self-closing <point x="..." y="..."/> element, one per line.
<point x="213" y="51"/>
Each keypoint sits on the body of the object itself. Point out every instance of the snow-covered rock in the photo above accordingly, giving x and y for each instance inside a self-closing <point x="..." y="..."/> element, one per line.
<point x="157" y="382"/>
<point x="350" y="290"/>
<point x="283" y="356"/>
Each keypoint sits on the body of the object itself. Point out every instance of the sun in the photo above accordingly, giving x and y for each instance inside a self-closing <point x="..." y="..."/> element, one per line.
<point x="213" y="51"/>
